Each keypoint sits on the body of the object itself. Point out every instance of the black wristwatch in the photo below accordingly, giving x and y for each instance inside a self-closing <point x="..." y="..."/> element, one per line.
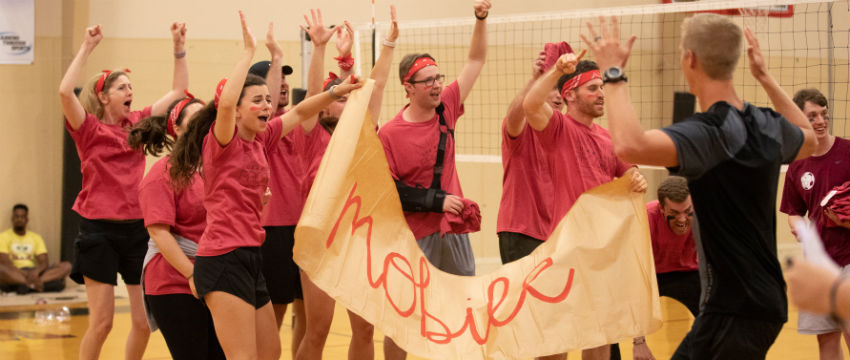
<point x="613" y="74"/>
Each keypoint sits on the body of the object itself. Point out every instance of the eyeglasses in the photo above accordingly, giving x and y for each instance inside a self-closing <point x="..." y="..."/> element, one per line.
<point x="429" y="81"/>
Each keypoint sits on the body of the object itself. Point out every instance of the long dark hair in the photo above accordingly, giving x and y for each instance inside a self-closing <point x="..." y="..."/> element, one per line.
<point x="186" y="158"/>
<point x="151" y="133"/>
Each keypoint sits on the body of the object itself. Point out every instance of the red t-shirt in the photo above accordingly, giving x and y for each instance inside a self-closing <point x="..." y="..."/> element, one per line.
<point x="182" y="210"/>
<point x="672" y="252"/>
<point x="527" y="203"/>
<point x="316" y="144"/>
<point x="111" y="169"/>
<point x="411" y="150"/>
<point x="235" y="179"/>
<point x="579" y="157"/>
<point x="287" y="168"/>
<point x="807" y="182"/>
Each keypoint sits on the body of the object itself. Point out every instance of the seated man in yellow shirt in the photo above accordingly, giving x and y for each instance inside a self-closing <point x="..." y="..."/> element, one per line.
<point x="23" y="259"/>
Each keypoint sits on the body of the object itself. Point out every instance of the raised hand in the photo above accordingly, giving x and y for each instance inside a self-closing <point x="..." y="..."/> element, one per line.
<point x="344" y="39"/>
<point x="94" y="35"/>
<point x="392" y="35"/>
<point x="567" y="63"/>
<point x="248" y="39"/>
<point x="757" y="66"/>
<point x="638" y="182"/>
<point x="318" y="33"/>
<point x="482" y="7"/>
<point x="537" y="66"/>
<point x="178" y="34"/>
<point x="271" y="44"/>
<point x="350" y="84"/>
<point x="607" y="47"/>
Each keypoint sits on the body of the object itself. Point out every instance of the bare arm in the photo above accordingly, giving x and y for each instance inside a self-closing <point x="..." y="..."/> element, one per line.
<point x="225" y="119"/>
<point x="537" y="111"/>
<point x="781" y="101"/>
<point x="168" y="247"/>
<point x="180" y="81"/>
<point x="307" y="109"/>
<point x="477" y="51"/>
<point x="319" y="35"/>
<point x="631" y="143"/>
<point x="71" y="106"/>
<point x="273" y="76"/>
<point x="515" y="119"/>
<point x="344" y="42"/>
<point x="792" y="223"/>
<point x="381" y="70"/>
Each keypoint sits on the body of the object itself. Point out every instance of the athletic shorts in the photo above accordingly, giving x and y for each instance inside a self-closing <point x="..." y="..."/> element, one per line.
<point x="105" y="248"/>
<point x="237" y="273"/>
<point x="450" y="253"/>
<point x="812" y="324"/>
<point x="279" y="270"/>
<point x="186" y="326"/>
<point x="723" y="337"/>
<point x="514" y="246"/>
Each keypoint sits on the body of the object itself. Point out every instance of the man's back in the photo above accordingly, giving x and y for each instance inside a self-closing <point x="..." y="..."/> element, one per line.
<point x="731" y="158"/>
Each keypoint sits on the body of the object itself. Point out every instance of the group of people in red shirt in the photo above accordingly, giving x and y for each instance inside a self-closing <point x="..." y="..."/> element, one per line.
<point x="204" y="239"/>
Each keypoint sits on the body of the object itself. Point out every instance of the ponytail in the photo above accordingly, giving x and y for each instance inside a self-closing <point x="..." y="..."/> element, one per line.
<point x="186" y="158"/>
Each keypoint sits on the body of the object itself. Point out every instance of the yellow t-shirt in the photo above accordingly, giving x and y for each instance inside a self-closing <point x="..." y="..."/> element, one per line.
<point x="22" y="249"/>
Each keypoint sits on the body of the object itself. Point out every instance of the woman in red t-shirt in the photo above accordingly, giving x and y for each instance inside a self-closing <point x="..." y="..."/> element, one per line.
<point x="175" y="219"/>
<point x="112" y="236"/>
<point x="229" y="138"/>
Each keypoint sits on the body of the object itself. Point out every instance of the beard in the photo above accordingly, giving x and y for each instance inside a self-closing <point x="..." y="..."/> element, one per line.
<point x="329" y="123"/>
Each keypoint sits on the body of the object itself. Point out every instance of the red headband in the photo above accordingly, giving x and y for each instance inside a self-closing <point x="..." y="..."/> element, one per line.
<point x="579" y="80"/>
<point x="218" y="90"/>
<point x="98" y="87"/>
<point x="331" y="78"/>
<point x="418" y="65"/>
<point x="177" y="110"/>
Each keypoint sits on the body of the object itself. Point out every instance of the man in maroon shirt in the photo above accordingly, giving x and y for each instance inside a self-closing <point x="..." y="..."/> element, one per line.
<point x="673" y="249"/>
<point x="806" y="183"/>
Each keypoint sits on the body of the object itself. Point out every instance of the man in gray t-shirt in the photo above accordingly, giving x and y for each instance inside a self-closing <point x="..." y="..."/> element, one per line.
<point x="730" y="153"/>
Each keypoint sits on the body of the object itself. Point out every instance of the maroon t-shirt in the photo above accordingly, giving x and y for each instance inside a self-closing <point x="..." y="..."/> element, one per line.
<point x="411" y="150"/>
<point x="807" y="182"/>
<point x="111" y="169"/>
<point x="580" y="157"/>
<point x="527" y="203"/>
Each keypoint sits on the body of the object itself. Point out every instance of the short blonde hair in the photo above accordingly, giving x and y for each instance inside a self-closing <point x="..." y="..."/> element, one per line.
<point x="715" y="41"/>
<point x="88" y="97"/>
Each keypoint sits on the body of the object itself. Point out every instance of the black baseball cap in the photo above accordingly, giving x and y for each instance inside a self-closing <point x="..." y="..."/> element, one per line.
<point x="261" y="69"/>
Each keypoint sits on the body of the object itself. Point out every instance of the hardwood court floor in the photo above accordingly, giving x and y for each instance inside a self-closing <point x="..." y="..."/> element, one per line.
<point x="22" y="338"/>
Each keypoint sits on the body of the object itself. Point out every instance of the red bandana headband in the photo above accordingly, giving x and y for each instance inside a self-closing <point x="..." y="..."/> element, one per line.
<point x="98" y="87"/>
<point x="218" y="90"/>
<point x="579" y="80"/>
<point x="418" y="65"/>
<point x="330" y="79"/>
<point x="177" y="110"/>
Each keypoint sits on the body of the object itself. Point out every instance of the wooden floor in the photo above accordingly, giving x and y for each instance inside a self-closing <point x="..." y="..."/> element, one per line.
<point x="22" y="338"/>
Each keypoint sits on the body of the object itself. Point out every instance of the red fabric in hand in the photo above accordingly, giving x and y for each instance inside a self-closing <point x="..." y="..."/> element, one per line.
<point x="468" y="221"/>
<point x="553" y="52"/>
<point x="840" y="204"/>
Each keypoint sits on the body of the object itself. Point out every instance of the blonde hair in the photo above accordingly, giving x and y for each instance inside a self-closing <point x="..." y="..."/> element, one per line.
<point x="715" y="41"/>
<point x="89" y="99"/>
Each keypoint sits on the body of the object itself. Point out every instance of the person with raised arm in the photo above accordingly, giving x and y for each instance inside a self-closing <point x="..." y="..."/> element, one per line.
<point x="422" y="132"/>
<point x="730" y="153"/>
<point x="229" y="137"/>
<point x="112" y="236"/>
<point x="318" y="305"/>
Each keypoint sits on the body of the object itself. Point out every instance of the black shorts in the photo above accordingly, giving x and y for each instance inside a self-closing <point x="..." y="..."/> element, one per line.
<point x="279" y="270"/>
<point x="237" y="273"/>
<point x="514" y="246"/>
<point x="682" y="286"/>
<point x="186" y="325"/>
<point x="716" y="336"/>
<point x="104" y="248"/>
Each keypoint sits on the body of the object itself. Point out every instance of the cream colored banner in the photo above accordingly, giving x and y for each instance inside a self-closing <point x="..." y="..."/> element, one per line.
<point x="592" y="283"/>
